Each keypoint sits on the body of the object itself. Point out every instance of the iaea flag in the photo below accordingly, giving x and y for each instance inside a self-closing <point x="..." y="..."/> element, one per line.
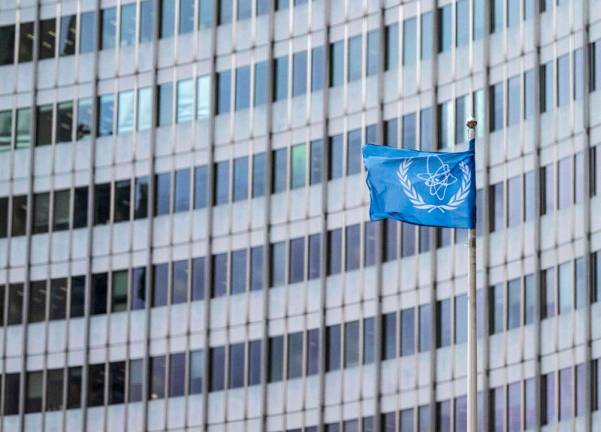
<point x="423" y="188"/>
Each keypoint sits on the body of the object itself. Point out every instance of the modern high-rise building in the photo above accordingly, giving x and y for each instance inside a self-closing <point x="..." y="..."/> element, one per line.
<point x="184" y="232"/>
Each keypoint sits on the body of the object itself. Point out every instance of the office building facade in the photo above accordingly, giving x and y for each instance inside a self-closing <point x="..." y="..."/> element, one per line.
<point x="184" y="233"/>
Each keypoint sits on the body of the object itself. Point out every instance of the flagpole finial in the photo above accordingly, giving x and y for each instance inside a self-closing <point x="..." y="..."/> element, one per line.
<point x="471" y="122"/>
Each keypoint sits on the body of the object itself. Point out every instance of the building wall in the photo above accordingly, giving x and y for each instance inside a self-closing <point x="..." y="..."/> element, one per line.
<point x="184" y="235"/>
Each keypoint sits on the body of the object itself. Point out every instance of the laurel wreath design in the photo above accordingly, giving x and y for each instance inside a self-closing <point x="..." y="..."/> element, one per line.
<point x="418" y="202"/>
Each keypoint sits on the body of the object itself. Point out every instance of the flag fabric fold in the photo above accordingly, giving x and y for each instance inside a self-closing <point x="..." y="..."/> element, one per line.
<point x="423" y="188"/>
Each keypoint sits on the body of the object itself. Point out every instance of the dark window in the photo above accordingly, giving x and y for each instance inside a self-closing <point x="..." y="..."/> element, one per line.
<point x="497" y="207"/>
<point x="122" y="200"/>
<point x="335" y="157"/>
<point x="47" y="39"/>
<point x="64" y="122"/>
<point x="58" y="298"/>
<point x="256" y="268"/>
<point x="369" y="340"/>
<point x="117" y="382"/>
<point x="313" y="352"/>
<point x="162" y="194"/>
<point x="389" y="337"/>
<point x="80" y="207"/>
<point x="119" y="291"/>
<point x="99" y="293"/>
<point x="136" y="380"/>
<point x="496" y="16"/>
<point x="280" y="177"/>
<point x="334" y="251"/>
<point x="225" y="12"/>
<point x="196" y="372"/>
<point x="108" y="18"/>
<point x="44" y="125"/>
<point x="409" y="41"/>
<point x="236" y="366"/>
<point x="68" y="34"/>
<point x="37" y="301"/>
<point x="96" y="378"/>
<point x="547" y="399"/>
<point x="297" y="260"/>
<point x="6" y="126"/>
<point x="7" y="44"/>
<point x="222" y="182"/>
<point x="84" y="118"/>
<point x="238" y="271"/>
<point x="333" y="348"/>
<point x="198" y="279"/>
<point x="546" y="87"/>
<point x="161" y="281"/>
<point x="138" y="288"/>
<point x="3" y="217"/>
<point x="254" y="362"/>
<point x="167" y="24"/>
<point x="177" y="374"/>
<point x="156" y="381"/>
<point x="26" y="38"/>
<point x="41" y="216"/>
<point x="407" y="331"/>
<point x="295" y="355"/>
<point x="34" y="394"/>
<point x="242" y="88"/>
<point x="19" y="215"/>
<point x="78" y="296"/>
<point x="299" y="73"/>
<point x="102" y="203"/>
<point x="217" y="366"/>
<point x="74" y="387"/>
<point x="219" y="287"/>
<point x="317" y="68"/>
<point x="547" y="189"/>
<point x="548" y="293"/>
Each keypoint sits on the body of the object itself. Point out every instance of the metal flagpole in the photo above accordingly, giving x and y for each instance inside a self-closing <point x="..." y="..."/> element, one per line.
<point x="472" y="357"/>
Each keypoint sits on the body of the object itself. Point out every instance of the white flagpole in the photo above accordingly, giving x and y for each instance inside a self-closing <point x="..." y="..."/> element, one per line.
<point x="472" y="357"/>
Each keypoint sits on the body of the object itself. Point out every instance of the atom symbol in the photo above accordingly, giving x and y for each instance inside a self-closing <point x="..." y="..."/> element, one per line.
<point x="439" y="180"/>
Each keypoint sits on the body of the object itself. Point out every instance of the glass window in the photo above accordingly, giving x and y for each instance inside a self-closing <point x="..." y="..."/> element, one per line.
<point x="223" y="92"/>
<point x="581" y="385"/>
<point x="78" y="296"/>
<point x="316" y="162"/>
<point x="389" y="337"/>
<point x="47" y="39"/>
<point x="547" y="189"/>
<point x="391" y="59"/>
<point x="34" y="395"/>
<point x="19" y="215"/>
<point x="177" y="374"/>
<point x="144" y="112"/>
<point x="99" y="294"/>
<point x="409" y="123"/>
<point x="167" y="24"/>
<point x="3" y="220"/>
<point x="566" y="287"/>
<point x="37" y="301"/>
<point x="279" y="157"/>
<point x="313" y="352"/>
<point x="317" y="68"/>
<point x="128" y="25"/>
<point x="263" y="7"/>
<point x="165" y="104"/>
<point x="222" y="181"/>
<point x="74" y="387"/>
<point x="146" y="21"/>
<point x="181" y="200"/>
<point x="425" y="129"/>
<point x="373" y="52"/>
<point x="565" y="186"/>
<point x="179" y="282"/>
<point x="425" y="326"/>
<point x="297" y="260"/>
<point x="186" y="16"/>
<point x="407" y="332"/>
<point x="461" y="114"/>
<point x="117" y="382"/>
<point x="528" y="94"/>
<point x="423" y="418"/>
<point x="351" y="344"/>
<point x="529" y="299"/>
<point x="41" y="216"/>
<point x="5" y="129"/>
<point x="258" y="176"/>
<point x="236" y="365"/>
<point x="160" y="284"/>
<point x="333" y="348"/>
<point x="260" y="83"/>
<point x="138" y="288"/>
<point x="445" y="125"/>
<point x="156" y="379"/>
<point x="87" y="32"/>
<point x="513" y="100"/>
<point x="496" y="308"/>
<point x="461" y="319"/>
<point x="369" y="338"/>
<point x="528" y="9"/>
<point x="225" y="12"/>
<point x="462" y="22"/>
<point x="514" y="201"/>
<point x="443" y="322"/>
<point x="15" y="304"/>
<point x="125" y="122"/>
<point x="68" y="33"/>
<point x="496" y="107"/>
<point x="205" y="13"/>
<point x="26" y="38"/>
<point x="64" y="122"/>
<point x="334" y="251"/>
<point x="119" y="291"/>
<point x="244" y="9"/>
<point x="546" y="89"/>
<point x="391" y="240"/>
<point x="355" y="58"/>
<point x="548" y="295"/>
<point x="353" y="155"/>
<point x="497" y="207"/>
<point x="496" y="18"/>
<point x="196" y="372"/>
<point x="238" y="271"/>
<point x="595" y="66"/>
<point x="581" y="284"/>
<point x="497" y="409"/>
<point x="444" y="28"/>
<point x="479" y="109"/>
<point x="391" y="131"/>
<point x="563" y="80"/>
<point x="280" y="76"/>
<point x="7" y="44"/>
<point x="96" y="377"/>
<point x="565" y="394"/>
<point x="108" y="23"/>
<point x="579" y="187"/>
<point x="513" y="303"/>
<point x="136" y="380"/>
<point x="335" y="159"/>
<point x="203" y="97"/>
<point x="295" y="355"/>
<point x="353" y="250"/>
<point x="314" y="256"/>
<point x="162" y="196"/>
<point x="185" y="101"/>
<point x="276" y="358"/>
<point x="84" y="117"/>
<point x="105" y="115"/>
<point x="427" y="45"/>
<point x="336" y="63"/>
<point x="254" y="362"/>
<point x="299" y="73"/>
<point x="141" y="198"/>
<point x="58" y="299"/>
<point x="369" y="244"/>
<point x="219" y="285"/>
<point x="548" y="399"/>
<point x="198" y="278"/>
<point x="242" y="88"/>
<point x="240" y="178"/>
<point x="44" y="125"/>
<point x="278" y="263"/>
<point x="200" y="186"/>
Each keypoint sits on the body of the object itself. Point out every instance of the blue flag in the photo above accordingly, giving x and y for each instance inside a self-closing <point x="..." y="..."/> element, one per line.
<point x="423" y="188"/>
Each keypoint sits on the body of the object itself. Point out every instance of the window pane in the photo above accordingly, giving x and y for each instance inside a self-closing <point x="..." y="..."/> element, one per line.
<point x="445" y="125"/>
<point x="238" y="271"/>
<point x="316" y="161"/>
<point x="276" y="358"/>
<point x="244" y="9"/>
<point x="513" y="100"/>
<point x="196" y="372"/>
<point x="136" y="380"/>
<point x="426" y="33"/>
<point x="222" y="181"/>
<point x="105" y="115"/>
<point x="336" y="63"/>
<point x="333" y="348"/>
<point x="409" y="123"/>
<point x="19" y="215"/>
<point x="280" y="76"/>
<point x="167" y="18"/>
<point x="223" y="92"/>
<point x="353" y="250"/>
<point x="425" y="129"/>
<point x="96" y="377"/>
<point x="156" y="384"/>
<point x="295" y="355"/>
<point x="26" y="38"/>
<point x="496" y="107"/>
<point x="260" y="97"/>
<point x="147" y="20"/>
<point x="162" y="193"/>
<point x="68" y="33"/>
<point x="41" y="209"/>
<point x="186" y="16"/>
<point x="161" y="281"/>
<point x="317" y="68"/>
<point x="179" y="284"/>
<point x="335" y="159"/>
<point x="297" y="260"/>
<point x="78" y="296"/>
<point x="299" y="73"/>
<point x="58" y="298"/>
<point x="5" y="128"/>
<point x="37" y="301"/>
<point x="236" y="365"/>
<point x="108" y="31"/>
<point x="185" y="100"/>
<point x="242" y="88"/>
<point x="64" y="122"/>
<point x="125" y="122"/>
<point x="74" y="387"/>
<point x="256" y="268"/>
<point x="34" y="395"/>
<point x="117" y="382"/>
<point x="200" y="186"/>
<point x="177" y="374"/>
<point x="138" y="288"/>
<point x="279" y="170"/>
<point x="443" y="321"/>
<point x="47" y="40"/>
<point x="44" y="125"/>
<point x="198" y="279"/>
<point x="84" y="118"/>
<point x="353" y="155"/>
<point x="496" y="20"/>
<point x="355" y="59"/>
<point x="581" y="284"/>
<point x="546" y="82"/>
<point x="312" y="352"/>
<point x="7" y="44"/>
<point x="128" y="25"/>
<point x="461" y="319"/>
<point x="182" y="190"/>
<point x="566" y="287"/>
<point x="99" y="293"/>
<point x="241" y="178"/>
<point x="389" y="337"/>
<point x="351" y="344"/>
<point x="392" y="46"/>
<point x="87" y="32"/>
<point x="278" y="263"/>
<point x="444" y="23"/>
<point x="205" y="14"/>
<point x="254" y="362"/>
<point x="225" y="12"/>
<point x="425" y="326"/>
<point x="373" y="52"/>
<point x="462" y="22"/>
<point x="141" y="198"/>
<point x="548" y="399"/>
<point x="119" y="291"/>
<point x="563" y="80"/>
<point x="258" y="179"/>
<point x="219" y="287"/>
<point x="407" y="331"/>
<point x="203" y="97"/>
<point x="165" y="104"/>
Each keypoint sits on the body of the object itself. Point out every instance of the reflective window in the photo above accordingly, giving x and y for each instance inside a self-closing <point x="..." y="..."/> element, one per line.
<point x="167" y="24"/>
<point x="280" y="77"/>
<point x="260" y="83"/>
<point x="427" y="44"/>
<point x="352" y="250"/>
<point x="563" y="80"/>
<point x="263" y="7"/>
<point x="423" y="418"/>
<point x="165" y="104"/>
<point x="581" y="283"/>
<point x="355" y="58"/>
<point x="407" y="331"/>
<point x="335" y="157"/>
<point x="297" y="260"/>
<point x="408" y="138"/>
<point x="64" y="122"/>
<point x="141" y="198"/>
<point x="529" y="299"/>
<point x="566" y="287"/>
<point x="203" y="97"/>
<point x="596" y="66"/>
<point x="369" y="340"/>
<point x="242" y="88"/>
<point x="496" y="18"/>
<point x="389" y="337"/>
<point x="444" y="28"/>
<point x="196" y="372"/>
<point x="529" y="94"/>
<point x="258" y="177"/>
<point x="496" y="308"/>
<point x="278" y="263"/>
<point x="7" y="44"/>
<point x="564" y="187"/>
<point x="105" y="115"/>
<point x="256" y="268"/>
<point x="445" y="125"/>
<point x="391" y="240"/>
<point x="295" y="355"/>
<point x="177" y="374"/>
<point x="41" y="209"/>
<point x="238" y="271"/>
<point x="334" y="251"/>
<point x="443" y="416"/>
<point x="144" y="112"/>
<point x="565" y="394"/>
<point x="391" y="130"/>
<point x="254" y="362"/>
<point x="185" y="101"/>
<point x="26" y="38"/>
<point x="279" y="170"/>
<point x="546" y="89"/>
<point x="548" y="399"/>
<point x="119" y="291"/>
<point x="186" y="16"/>
<point x="299" y="73"/>
<point x="181" y="200"/>
<point x="108" y="23"/>
<point x="222" y="181"/>
<point x="353" y="154"/>
<point x="460" y="319"/>
<point x="44" y="125"/>
<point x="312" y="352"/>
<point x="223" y="92"/>
<point x="317" y="68"/>
<point x="128" y="25"/>
<point x="336" y="63"/>
<point x="198" y="279"/>
<point x="425" y="325"/>
<point x="68" y="33"/>
<point x="333" y="349"/>
<point x="496" y="107"/>
<point x="179" y="282"/>
<point x="156" y="379"/>
<point x="219" y="282"/>
<point x="425" y="129"/>
<point x="84" y="118"/>
<point x="314" y="256"/>
<point x="240" y="178"/>
<point x="47" y="39"/>
<point x="276" y="358"/>
<point x="205" y="13"/>
<point x="316" y="162"/>
<point x="373" y="52"/>
<point x="87" y="32"/>
<point x="138" y="288"/>
<point x="236" y="365"/>
<point x="547" y="189"/>
<point x="125" y="113"/>
<point x="160" y="284"/>
<point x="513" y="100"/>
<point x="225" y="12"/>
<point x="136" y="380"/>
<point x="443" y="322"/>
<point x="369" y="243"/>
<point x="244" y="9"/>
<point x="513" y="303"/>
<point x="6" y="118"/>
<point x="391" y="59"/>
<point x="462" y="112"/>
<point x="462" y="21"/>
<point x="514" y="201"/>
<point x="408" y="240"/>
<point x="147" y="20"/>
<point x="497" y="207"/>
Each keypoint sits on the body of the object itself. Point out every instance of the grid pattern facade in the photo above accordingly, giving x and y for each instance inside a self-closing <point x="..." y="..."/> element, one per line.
<point x="184" y="240"/>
